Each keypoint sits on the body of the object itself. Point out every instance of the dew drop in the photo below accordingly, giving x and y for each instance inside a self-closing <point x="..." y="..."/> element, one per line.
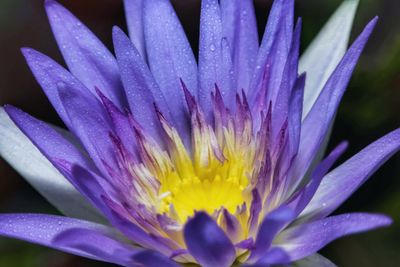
<point x="212" y="47"/>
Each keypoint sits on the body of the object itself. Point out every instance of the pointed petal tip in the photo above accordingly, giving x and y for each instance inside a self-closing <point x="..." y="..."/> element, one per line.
<point x="116" y="30"/>
<point x="49" y="2"/>
<point x="29" y="52"/>
<point x="52" y="6"/>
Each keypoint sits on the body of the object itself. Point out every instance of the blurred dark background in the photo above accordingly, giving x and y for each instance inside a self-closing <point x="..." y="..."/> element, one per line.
<point x="370" y="108"/>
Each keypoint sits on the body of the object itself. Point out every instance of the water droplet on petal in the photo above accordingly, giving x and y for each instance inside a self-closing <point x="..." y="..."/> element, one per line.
<point x="212" y="47"/>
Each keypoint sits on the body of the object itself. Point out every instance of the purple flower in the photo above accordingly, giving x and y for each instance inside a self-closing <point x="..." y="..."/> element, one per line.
<point x="170" y="161"/>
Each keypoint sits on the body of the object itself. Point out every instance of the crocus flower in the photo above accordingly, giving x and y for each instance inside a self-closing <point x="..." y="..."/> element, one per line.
<point x="171" y="161"/>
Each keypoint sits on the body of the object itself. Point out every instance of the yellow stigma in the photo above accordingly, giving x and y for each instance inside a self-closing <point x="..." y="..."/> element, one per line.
<point x="215" y="175"/>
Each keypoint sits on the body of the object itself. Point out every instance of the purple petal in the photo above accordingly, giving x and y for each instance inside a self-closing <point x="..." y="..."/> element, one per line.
<point x="87" y="58"/>
<point x="97" y="243"/>
<point x="307" y="193"/>
<point x="88" y="183"/>
<point x="18" y="150"/>
<point x="50" y="75"/>
<point x="318" y="121"/>
<point x="294" y="115"/>
<point x="153" y="259"/>
<point x="170" y="59"/>
<point x="51" y="144"/>
<point x="305" y="239"/>
<point x="274" y="47"/>
<point x="340" y="183"/>
<point x="207" y="243"/>
<point x="141" y="89"/>
<point x="122" y="126"/>
<point x="289" y="78"/>
<point x="271" y="256"/>
<point x="240" y="28"/>
<point x="43" y="229"/>
<point x="90" y="123"/>
<point x="231" y="225"/>
<point x="134" y="19"/>
<point x="269" y="227"/>
<point x="214" y="58"/>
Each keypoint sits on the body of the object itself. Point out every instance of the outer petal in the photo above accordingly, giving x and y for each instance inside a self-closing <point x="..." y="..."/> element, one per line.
<point x="207" y="243"/>
<point x="316" y="125"/>
<point x="323" y="55"/>
<point x="306" y="194"/>
<point x="274" y="49"/>
<point x="340" y="183"/>
<point x="134" y="19"/>
<point x="87" y="58"/>
<point x="153" y="259"/>
<point x="24" y="157"/>
<point x="88" y="183"/>
<point x="269" y="227"/>
<point x="215" y="64"/>
<point x="44" y="230"/>
<point x="141" y="89"/>
<point x="53" y="77"/>
<point x="240" y="28"/>
<point x="170" y="59"/>
<point x="93" y="128"/>
<point x="305" y="239"/>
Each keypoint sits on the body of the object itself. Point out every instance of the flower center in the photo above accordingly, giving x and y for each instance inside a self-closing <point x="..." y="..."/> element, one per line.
<point x="216" y="174"/>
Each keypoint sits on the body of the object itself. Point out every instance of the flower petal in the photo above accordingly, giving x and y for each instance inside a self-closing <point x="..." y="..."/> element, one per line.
<point x="316" y="125"/>
<point x="274" y="49"/>
<point x="240" y="28"/>
<point x="92" y="129"/>
<point x="43" y="229"/>
<point x="306" y="194"/>
<point x="268" y="228"/>
<point x="27" y="160"/>
<point x="324" y="53"/>
<point x="153" y="259"/>
<point x="87" y="58"/>
<point x="88" y="182"/>
<point x="340" y="183"/>
<point x="170" y="59"/>
<point x="305" y="239"/>
<point x="141" y="89"/>
<point x="207" y="243"/>
<point x="134" y="19"/>
<point x="215" y="63"/>
<point x="97" y="243"/>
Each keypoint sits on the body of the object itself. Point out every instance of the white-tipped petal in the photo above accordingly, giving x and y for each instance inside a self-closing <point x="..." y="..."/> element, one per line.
<point x="323" y="55"/>
<point x="26" y="159"/>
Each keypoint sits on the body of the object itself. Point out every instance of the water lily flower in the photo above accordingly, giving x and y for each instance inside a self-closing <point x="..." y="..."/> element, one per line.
<point x="173" y="160"/>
